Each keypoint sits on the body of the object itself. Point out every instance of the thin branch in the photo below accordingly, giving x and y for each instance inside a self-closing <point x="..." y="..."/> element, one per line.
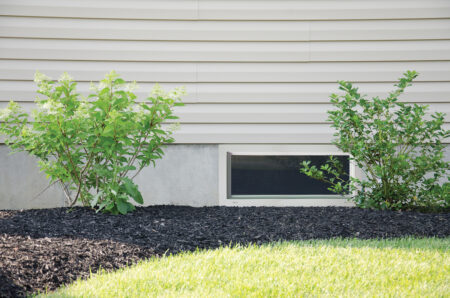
<point x="42" y="191"/>
<point x="76" y="197"/>
<point x="67" y="194"/>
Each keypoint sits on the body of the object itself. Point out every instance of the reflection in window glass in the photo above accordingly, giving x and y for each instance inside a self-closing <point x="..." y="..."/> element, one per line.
<point x="277" y="175"/>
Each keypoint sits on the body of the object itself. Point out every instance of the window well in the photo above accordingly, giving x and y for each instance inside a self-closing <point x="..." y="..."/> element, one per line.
<point x="253" y="175"/>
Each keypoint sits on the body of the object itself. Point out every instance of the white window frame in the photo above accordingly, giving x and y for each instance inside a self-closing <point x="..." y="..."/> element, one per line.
<point x="276" y="200"/>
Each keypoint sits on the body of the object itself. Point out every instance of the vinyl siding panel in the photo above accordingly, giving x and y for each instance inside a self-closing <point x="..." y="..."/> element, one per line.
<point x="213" y="51"/>
<point x="255" y="71"/>
<point x="254" y="134"/>
<point x="184" y="72"/>
<point x="322" y="10"/>
<point x="257" y="133"/>
<point x="245" y="93"/>
<point x="104" y="29"/>
<point x="255" y="113"/>
<point x="229" y="9"/>
<point x="169" y="10"/>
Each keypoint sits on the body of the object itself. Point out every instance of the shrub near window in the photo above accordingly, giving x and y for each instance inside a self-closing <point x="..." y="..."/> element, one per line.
<point x="94" y="147"/>
<point x="397" y="146"/>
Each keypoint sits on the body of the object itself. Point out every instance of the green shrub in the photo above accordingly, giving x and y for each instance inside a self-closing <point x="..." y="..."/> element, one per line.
<point x="396" y="145"/>
<point x="93" y="146"/>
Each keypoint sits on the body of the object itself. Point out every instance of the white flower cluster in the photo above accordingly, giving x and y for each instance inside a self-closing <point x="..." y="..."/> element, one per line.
<point x="12" y="108"/>
<point x="106" y="82"/>
<point x="5" y="113"/>
<point x="82" y="111"/>
<point x="111" y="76"/>
<point x="45" y="88"/>
<point x="174" y="127"/>
<point x="50" y="107"/>
<point x="93" y="87"/>
<point x="140" y="113"/>
<point x="176" y="93"/>
<point x="157" y="90"/>
<point x="131" y="86"/>
<point x="102" y="85"/>
<point x="43" y="82"/>
<point x="65" y="78"/>
<point x="40" y="77"/>
<point x="96" y="88"/>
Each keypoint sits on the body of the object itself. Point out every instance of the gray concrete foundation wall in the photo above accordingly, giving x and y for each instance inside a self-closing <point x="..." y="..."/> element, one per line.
<point x="21" y="182"/>
<point x="187" y="175"/>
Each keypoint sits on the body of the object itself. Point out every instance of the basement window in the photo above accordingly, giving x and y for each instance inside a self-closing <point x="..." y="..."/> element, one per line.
<point x="271" y="176"/>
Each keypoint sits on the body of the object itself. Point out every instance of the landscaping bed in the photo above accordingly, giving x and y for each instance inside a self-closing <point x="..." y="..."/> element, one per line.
<point x="44" y="249"/>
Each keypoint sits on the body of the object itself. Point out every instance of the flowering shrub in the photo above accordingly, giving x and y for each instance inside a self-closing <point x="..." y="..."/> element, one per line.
<point x="93" y="146"/>
<point x="399" y="150"/>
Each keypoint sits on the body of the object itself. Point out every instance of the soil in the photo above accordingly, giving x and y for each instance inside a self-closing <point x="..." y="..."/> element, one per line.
<point x="44" y="249"/>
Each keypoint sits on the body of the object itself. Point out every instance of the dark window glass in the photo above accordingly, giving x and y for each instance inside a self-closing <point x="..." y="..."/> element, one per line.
<point x="277" y="175"/>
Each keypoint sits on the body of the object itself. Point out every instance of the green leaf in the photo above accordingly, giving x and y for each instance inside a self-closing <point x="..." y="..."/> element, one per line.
<point x="95" y="199"/>
<point x="102" y="205"/>
<point x="132" y="190"/>
<point x="122" y="206"/>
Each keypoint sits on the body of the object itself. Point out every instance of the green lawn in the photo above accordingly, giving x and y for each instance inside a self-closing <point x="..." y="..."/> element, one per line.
<point x="393" y="268"/>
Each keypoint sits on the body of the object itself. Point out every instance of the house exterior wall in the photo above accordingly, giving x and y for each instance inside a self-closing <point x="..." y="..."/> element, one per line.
<point x="256" y="72"/>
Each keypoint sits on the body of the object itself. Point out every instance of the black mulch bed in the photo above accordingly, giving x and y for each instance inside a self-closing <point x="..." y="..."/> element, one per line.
<point x="44" y="249"/>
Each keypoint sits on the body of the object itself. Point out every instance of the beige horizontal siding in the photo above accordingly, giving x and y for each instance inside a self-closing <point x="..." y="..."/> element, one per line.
<point x="431" y="71"/>
<point x="255" y="113"/>
<point x="257" y="133"/>
<point x="229" y="9"/>
<point x="322" y="9"/>
<point x="245" y="93"/>
<point x="104" y="29"/>
<point x="212" y="51"/>
<point x="258" y="71"/>
<point x="254" y="134"/>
